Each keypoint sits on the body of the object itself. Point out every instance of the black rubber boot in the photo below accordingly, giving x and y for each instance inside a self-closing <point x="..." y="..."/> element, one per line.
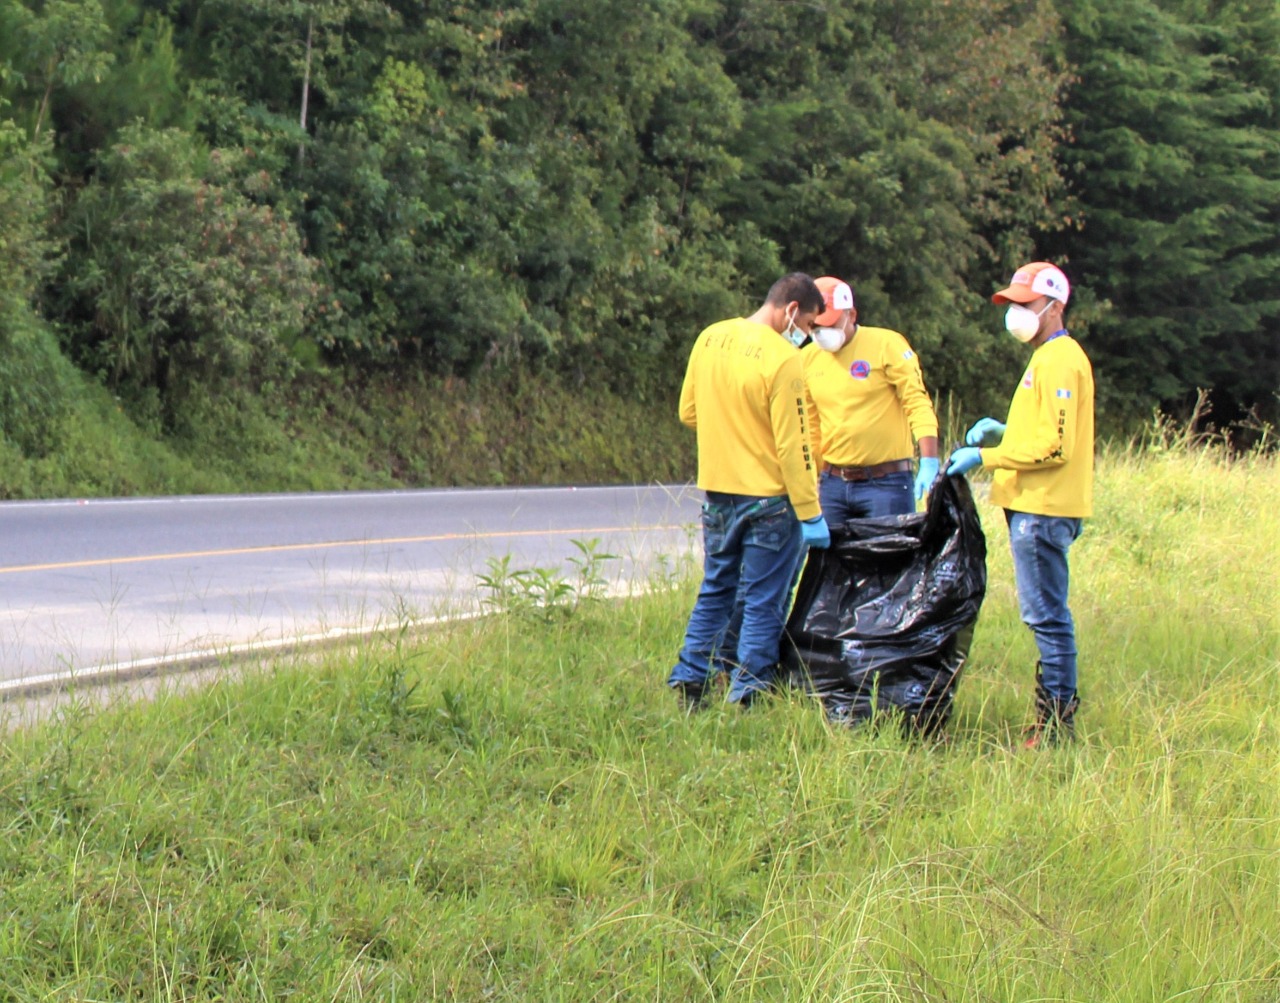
<point x="1055" y="718"/>
<point x="693" y="697"/>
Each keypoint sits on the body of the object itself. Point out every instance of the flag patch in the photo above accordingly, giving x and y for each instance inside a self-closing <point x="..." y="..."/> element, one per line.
<point x="908" y="354"/>
<point x="1064" y="393"/>
<point x="1028" y="379"/>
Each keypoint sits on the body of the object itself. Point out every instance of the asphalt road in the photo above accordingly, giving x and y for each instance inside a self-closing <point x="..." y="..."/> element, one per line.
<point x="96" y="587"/>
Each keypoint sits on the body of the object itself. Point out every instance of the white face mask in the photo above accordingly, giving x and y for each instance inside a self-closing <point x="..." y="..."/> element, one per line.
<point x="1023" y="323"/>
<point x="829" y="339"/>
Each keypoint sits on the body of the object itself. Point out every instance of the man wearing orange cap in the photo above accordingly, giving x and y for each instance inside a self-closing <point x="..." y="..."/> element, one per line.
<point x="1042" y="455"/>
<point x="867" y="402"/>
<point x="743" y="394"/>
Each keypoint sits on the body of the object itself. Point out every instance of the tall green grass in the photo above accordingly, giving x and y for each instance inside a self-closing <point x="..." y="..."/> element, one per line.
<point x="512" y="809"/>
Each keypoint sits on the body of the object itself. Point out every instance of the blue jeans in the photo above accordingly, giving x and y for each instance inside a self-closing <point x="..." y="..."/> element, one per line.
<point x="841" y="500"/>
<point x="751" y="547"/>
<point x="1040" y="544"/>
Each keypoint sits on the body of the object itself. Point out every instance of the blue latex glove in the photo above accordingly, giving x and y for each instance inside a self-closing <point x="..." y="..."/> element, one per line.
<point x="985" y="432"/>
<point x="926" y="475"/>
<point x="816" y="532"/>
<point x="963" y="460"/>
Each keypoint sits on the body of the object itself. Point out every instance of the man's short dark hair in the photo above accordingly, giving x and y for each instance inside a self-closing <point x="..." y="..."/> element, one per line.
<point x="798" y="288"/>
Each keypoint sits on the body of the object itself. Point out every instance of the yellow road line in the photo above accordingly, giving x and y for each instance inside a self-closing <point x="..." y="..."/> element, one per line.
<point x="333" y="544"/>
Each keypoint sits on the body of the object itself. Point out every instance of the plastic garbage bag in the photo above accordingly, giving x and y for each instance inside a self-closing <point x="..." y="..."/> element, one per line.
<point x="883" y="619"/>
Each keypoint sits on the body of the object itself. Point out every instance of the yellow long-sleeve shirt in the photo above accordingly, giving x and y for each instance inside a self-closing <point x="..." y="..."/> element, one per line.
<point x="1044" y="464"/>
<point x="867" y="400"/>
<point x="743" y="393"/>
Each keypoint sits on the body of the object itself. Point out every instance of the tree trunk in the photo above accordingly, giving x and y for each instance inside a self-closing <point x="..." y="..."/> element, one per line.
<point x="306" y="89"/>
<point x="44" y="102"/>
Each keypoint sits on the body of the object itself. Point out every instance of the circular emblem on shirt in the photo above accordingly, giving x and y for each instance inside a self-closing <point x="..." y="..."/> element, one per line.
<point x="797" y="386"/>
<point x="860" y="370"/>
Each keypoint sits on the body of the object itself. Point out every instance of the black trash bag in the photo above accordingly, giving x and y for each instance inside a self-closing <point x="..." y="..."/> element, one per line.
<point x="884" y="618"/>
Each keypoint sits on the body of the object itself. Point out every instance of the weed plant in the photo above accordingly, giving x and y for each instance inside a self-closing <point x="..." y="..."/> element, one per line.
<point x="513" y="809"/>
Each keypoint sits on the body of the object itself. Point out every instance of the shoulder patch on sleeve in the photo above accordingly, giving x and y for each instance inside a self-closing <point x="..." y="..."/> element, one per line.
<point x="908" y="354"/>
<point x="1063" y="392"/>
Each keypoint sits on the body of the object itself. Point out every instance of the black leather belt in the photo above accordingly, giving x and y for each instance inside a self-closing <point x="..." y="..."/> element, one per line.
<point x="867" y="473"/>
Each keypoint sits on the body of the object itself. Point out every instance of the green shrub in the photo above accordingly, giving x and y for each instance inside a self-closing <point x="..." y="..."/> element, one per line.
<point x="35" y="383"/>
<point x="177" y="277"/>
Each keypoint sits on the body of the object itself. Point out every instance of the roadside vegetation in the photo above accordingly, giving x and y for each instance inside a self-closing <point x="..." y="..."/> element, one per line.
<point x="324" y="433"/>
<point x="511" y="808"/>
<point x="245" y="245"/>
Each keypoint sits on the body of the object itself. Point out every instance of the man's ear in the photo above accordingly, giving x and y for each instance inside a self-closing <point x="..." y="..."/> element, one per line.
<point x="853" y="314"/>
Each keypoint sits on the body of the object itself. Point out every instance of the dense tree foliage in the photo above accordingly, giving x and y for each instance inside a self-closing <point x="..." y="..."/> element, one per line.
<point x="200" y="192"/>
<point x="178" y="276"/>
<point x="1176" y="168"/>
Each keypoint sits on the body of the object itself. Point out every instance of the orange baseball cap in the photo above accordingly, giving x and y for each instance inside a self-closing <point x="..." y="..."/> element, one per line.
<point x="1031" y="281"/>
<point x="837" y="297"/>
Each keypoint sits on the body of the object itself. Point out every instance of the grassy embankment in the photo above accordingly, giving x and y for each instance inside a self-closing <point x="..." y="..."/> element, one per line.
<point x="512" y="809"/>
<point x="63" y="434"/>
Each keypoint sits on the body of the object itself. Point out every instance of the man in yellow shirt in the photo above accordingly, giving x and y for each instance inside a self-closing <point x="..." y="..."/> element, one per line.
<point x="1043" y="463"/>
<point x="743" y="394"/>
<point x="867" y="402"/>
